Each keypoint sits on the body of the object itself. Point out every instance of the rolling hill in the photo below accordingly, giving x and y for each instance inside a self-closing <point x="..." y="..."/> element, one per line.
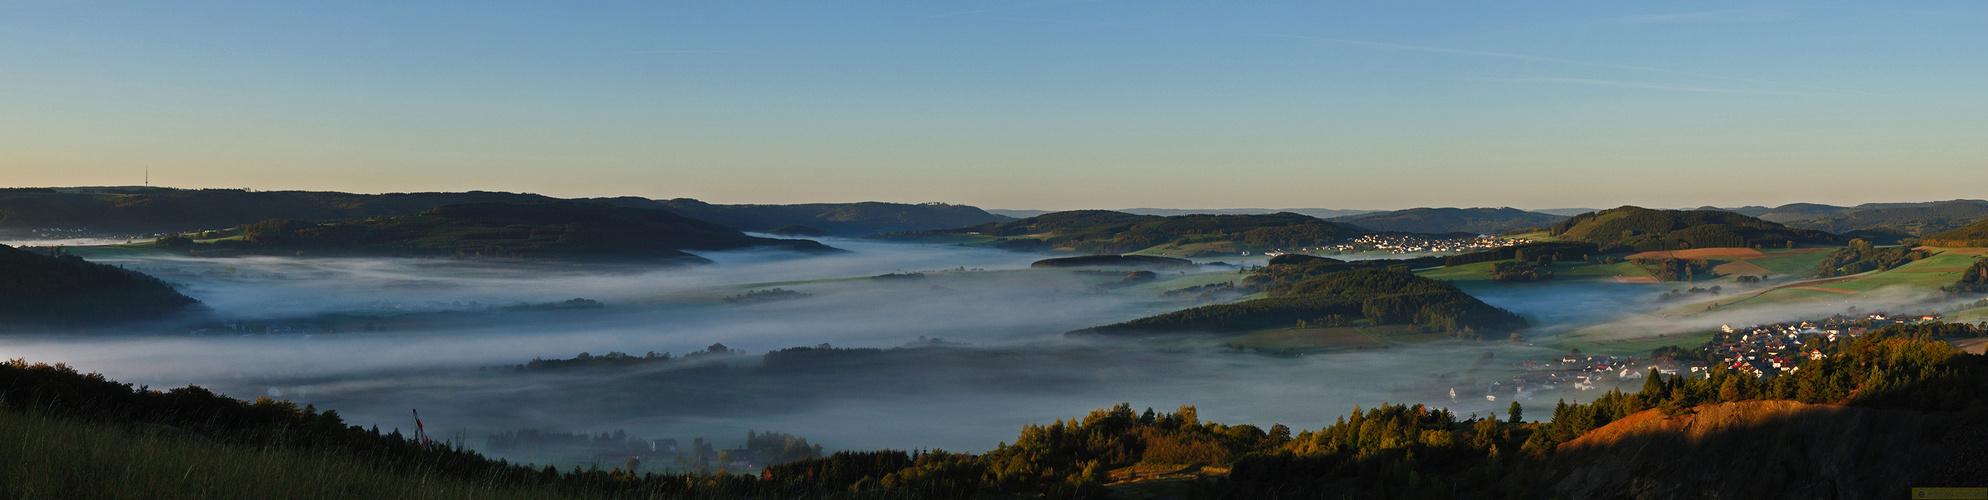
<point x="840" y="219"/>
<point x="564" y="230"/>
<point x="1381" y="297"/>
<point x="1914" y="219"/>
<point x="1108" y="232"/>
<point x="160" y="210"/>
<point x="65" y="289"/>
<point x="1641" y="229"/>
<point x="1971" y="235"/>
<point x="1451" y="220"/>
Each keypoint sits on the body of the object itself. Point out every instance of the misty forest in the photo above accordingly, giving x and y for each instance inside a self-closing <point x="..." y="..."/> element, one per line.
<point x="993" y="250"/>
<point x="618" y="347"/>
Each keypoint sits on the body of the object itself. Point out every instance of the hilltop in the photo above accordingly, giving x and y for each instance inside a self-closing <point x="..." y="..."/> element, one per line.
<point x="1642" y="229"/>
<point x="65" y="289"/>
<point x="1342" y="298"/>
<point x="1451" y="220"/>
<point x="505" y="230"/>
<point x="1108" y="232"/>
<point x="839" y="219"/>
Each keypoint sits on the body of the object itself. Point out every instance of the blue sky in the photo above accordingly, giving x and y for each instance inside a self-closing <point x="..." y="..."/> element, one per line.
<point x="1048" y="105"/>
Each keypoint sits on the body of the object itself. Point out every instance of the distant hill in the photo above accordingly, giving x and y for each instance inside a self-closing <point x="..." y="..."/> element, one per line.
<point x="1749" y="210"/>
<point x="65" y="289"/>
<point x="1108" y="232"/>
<point x="1641" y="229"/>
<point x="134" y="210"/>
<point x="1381" y="297"/>
<point x="1917" y="219"/>
<point x="1972" y="235"/>
<point x="158" y="210"/>
<point x="1136" y="261"/>
<point x="1451" y="220"/>
<point x="1314" y="212"/>
<point x="840" y="219"/>
<point x="504" y="230"/>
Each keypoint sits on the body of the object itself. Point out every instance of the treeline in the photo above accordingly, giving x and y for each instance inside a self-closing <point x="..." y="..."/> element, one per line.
<point x="65" y="289"/>
<point x="1971" y="235"/>
<point x="1675" y="269"/>
<point x="1287" y="270"/>
<point x="1382" y="297"/>
<point x="1861" y="256"/>
<point x="621" y="359"/>
<point x="1108" y="232"/>
<point x="1556" y="251"/>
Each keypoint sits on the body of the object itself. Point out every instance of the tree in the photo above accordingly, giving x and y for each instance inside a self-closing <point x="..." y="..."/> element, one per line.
<point x="1516" y="413"/>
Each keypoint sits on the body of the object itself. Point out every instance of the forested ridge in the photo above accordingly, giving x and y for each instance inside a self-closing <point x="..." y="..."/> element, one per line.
<point x="1316" y="289"/>
<point x="1641" y="229"/>
<point x="62" y="288"/>
<point x="1108" y="232"/>
<point x="497" y="230"/>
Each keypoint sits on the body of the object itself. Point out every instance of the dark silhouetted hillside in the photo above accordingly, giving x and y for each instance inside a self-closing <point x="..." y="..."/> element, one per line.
<point x="1382" y="297"/>
<point x="1918" y="219"/>
<point x="65" y="289"/>
<point x="149" y="211"/>
<point x="1108" y="232"/>
<point x="840" y="219"/>
<point x="1971" y="235"/>
<point x="506" y="230"/>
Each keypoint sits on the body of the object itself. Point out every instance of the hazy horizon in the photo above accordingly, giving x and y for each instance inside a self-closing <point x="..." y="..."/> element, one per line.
<point x="1042" y="105"/>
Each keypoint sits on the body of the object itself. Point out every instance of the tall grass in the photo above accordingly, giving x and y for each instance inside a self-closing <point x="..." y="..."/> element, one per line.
<point x="46" y="457"/>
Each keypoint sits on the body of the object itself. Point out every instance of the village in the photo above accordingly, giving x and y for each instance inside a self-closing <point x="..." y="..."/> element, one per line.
<point x="1758" y="350"/>
<point x="1411" y="244"/>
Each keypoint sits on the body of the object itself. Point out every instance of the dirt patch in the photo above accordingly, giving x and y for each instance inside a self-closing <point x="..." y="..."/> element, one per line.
<point x="1703" y="253"/>
<point x="1823" y="289"/>
<point x="1971" y="346"/>
<point x="1635" y="279"/>
<point x="1741" y="267"/>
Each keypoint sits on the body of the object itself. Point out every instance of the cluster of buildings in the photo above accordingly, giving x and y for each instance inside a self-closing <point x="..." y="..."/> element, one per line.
<point x="1411" y="243"/>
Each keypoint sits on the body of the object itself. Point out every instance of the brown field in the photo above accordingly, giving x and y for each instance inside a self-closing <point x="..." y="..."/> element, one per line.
<point x="1635" y="279"/>
<point x="1739" y="267"/>
<point x="1824" y="289"/>
<point x="1703" y="253"/>
<point x="1975" y="346"/>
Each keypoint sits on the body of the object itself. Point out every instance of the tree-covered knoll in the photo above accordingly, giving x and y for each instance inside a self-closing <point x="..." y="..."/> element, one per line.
<point x="1641" y="229"/>
<point x="504" y="230"/>
<point x="1861" y="256"/>
<point x="1382" y="297"/>
<point x="1973" y="280"/>
<point x="37" y="288"/>
<point x="1107" y="232"/>
<point x="1554" y="250"/>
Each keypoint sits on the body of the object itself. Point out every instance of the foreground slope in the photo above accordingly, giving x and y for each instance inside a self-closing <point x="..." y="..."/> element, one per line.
<point x="37" y="288"/>
<point x="507" y="230"/>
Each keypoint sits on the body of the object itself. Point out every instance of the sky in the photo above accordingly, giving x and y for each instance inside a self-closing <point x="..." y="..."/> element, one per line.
<point x="1030" y="104"/>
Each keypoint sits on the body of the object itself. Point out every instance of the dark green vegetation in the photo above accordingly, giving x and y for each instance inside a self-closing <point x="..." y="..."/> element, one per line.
<point x="65" y="289"/>
<point x="841" y="219"/>
<point x="1556" y="251"/>
<point x="1974" y="280"/>
<point x="1971" y="235"/>
<point x="1674" y="269"/>
<point x="1860" y="256"/>
<point x="768" y="295"/>
<point x="1909" y="219"/>
<point x="1519" y="271"/>
<point x="1138" y="261"/>
<point x="502" y="230"/>
<point x="1382" y="297"/>
<point x="1642" y="229"/>
<point x="1107" y="232"/>
<point x="1451" y="220"/>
